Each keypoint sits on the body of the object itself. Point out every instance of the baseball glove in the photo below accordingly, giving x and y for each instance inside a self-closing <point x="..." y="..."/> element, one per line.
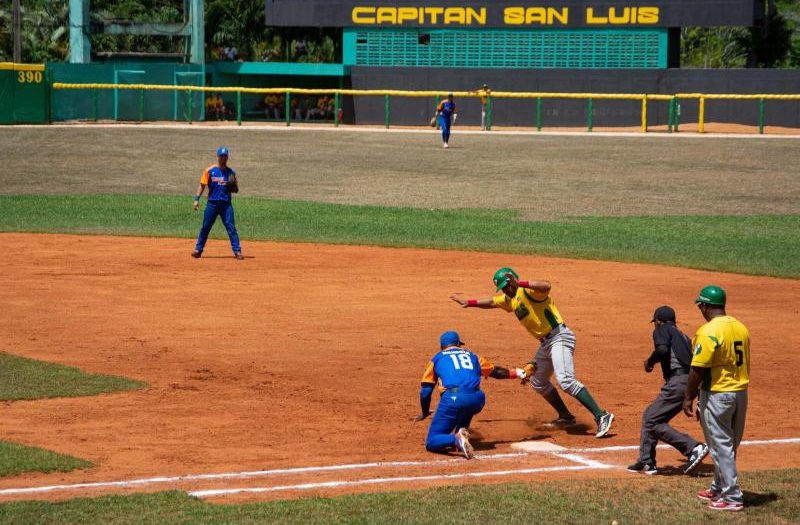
<point x="433" y="122"/>
<point x="232" y="184"/>
<point x="530" y="369"/>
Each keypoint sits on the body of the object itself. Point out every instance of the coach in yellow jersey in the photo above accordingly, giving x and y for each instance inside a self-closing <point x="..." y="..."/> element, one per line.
<point x="721" y="372"/>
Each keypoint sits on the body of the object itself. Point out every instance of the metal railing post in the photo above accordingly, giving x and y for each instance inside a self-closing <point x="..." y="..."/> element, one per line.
<point x="538" y="113"/>
<point x="94" y="104"/>
<point x="702" y="116"/>
<point x="141" y="105"/>
<point x="670" y="114"/>
<point x="644" y="114"/>
<point x="589" y="117"/>
<point x="386" y="110"/>
<point x="336" y="110"/>
<point x="489" y="113"/>
<point x="289" y="108"/>
<point x="761" y="116"/>
<point x="190" y="117"/>
<point x="239" y="108"/>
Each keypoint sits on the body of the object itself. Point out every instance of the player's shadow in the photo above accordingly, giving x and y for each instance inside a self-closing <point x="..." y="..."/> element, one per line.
<point x="754" y="499"/>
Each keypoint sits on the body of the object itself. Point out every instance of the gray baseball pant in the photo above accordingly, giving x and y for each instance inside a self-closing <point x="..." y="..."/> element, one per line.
<point x="555" y="354"/>
<point x="656" y="418"/>
<point x="722" y="415"/>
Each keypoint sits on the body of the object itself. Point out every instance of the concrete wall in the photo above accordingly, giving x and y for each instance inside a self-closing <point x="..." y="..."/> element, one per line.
<point x="521" y="112"/>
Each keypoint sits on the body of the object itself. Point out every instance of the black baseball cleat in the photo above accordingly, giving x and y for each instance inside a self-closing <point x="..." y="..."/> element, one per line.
<point x="239" y="256"/>
<point x="695" y="458"/>
<point x="196" y="254"/>
<point x="604" y="424"/>
<point x="643" y="468"/>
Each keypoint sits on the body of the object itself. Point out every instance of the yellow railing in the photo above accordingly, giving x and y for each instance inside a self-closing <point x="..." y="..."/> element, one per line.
<point x="589" y="97"/>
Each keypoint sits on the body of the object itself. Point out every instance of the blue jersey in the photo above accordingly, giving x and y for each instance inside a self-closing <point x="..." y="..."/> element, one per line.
<point x="216" y="178"/>
<point x="456" y="367"/>
<point x="446" y="109"/>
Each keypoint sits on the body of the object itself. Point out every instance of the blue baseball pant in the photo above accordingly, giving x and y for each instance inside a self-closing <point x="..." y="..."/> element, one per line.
<point x="455" y="411"/>
<point x="225" y="211"/>
<point x="444" y="123"/>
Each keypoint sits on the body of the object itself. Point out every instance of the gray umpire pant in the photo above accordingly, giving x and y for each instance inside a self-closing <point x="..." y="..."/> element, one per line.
<point x="722" y="415"/>
<point x="656" y="418"/>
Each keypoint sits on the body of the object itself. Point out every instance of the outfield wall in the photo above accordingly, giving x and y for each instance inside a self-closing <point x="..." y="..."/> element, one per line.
<point x="506" y="112"/>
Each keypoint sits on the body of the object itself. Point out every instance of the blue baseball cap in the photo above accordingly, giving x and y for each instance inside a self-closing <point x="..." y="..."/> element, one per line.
<point x="222" y="151"/>
<point x="450" y="338"/>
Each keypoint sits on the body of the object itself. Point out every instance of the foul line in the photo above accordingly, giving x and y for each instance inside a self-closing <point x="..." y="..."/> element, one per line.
<point x="375" y="481"/>
<point x="250" y="474"/>
<point x="570" y="454"/>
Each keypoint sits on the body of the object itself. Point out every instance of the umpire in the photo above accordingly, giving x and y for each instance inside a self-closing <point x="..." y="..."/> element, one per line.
<point x="673" y="353"/>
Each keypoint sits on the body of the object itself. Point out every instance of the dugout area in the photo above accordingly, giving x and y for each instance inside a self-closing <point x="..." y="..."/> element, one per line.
<point x="264" y="385"/>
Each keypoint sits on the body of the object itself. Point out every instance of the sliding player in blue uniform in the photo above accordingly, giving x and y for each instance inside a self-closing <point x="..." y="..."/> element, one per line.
<point x="458" y="372"/>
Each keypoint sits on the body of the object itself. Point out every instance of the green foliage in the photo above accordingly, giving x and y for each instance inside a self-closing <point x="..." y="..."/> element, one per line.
<point x="754" y="245"/>
<point x="44" y="24"/>
<point x="22" y="378"/>
<point x="16" y="459"/>
<point x="770" y="497"/>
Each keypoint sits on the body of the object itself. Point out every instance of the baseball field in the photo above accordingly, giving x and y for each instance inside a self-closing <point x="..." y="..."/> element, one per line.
<point x="140" y="385"/>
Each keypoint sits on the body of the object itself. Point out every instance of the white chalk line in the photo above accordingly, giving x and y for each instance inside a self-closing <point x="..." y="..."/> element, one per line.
<point x="570" y="454"/>
<point x="375" y="481"/>
<point x="249" y="474"/>
<point x="376" y="129"/>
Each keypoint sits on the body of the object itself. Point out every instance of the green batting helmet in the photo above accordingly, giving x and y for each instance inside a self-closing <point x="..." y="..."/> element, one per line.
<point x="500" y="279"/>
<point x="713" y="295"/>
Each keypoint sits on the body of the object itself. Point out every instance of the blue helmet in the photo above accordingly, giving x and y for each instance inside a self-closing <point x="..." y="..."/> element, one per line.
<point x="222" y="151"/>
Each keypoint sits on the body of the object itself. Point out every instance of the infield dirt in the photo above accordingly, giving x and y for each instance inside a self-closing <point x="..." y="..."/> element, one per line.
<point x="306" y="355"/>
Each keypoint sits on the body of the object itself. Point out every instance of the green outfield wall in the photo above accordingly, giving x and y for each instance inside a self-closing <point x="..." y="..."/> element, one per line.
<point x="23" y="93"/>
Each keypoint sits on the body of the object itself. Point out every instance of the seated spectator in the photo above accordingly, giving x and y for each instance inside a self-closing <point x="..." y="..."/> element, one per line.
<point x="271" y="106"/>
<point x="215" y="107"/>
<point x="231" y="53"/>
<point x="318" y="109"/>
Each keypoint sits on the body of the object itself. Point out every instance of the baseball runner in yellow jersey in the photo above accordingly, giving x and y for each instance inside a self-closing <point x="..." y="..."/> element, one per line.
<point x="533" y="306"/>
<point x="721" y="364"/>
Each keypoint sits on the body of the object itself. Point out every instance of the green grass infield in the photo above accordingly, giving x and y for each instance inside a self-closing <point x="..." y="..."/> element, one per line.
<point x="22" y="378"/>
<point x="16" y="459"/>
<point x="770" y="497"/>
<point x="759" y="245"/>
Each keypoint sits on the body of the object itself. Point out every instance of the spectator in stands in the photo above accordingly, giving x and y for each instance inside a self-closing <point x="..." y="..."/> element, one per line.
<point x="231" y="53"/>
<point x="317" y="111"/>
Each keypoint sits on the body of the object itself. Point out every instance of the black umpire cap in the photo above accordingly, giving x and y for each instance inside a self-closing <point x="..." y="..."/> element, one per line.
<point x="664" y="313"/>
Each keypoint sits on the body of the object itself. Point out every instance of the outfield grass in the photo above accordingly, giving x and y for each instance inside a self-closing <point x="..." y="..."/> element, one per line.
<point x="22" y="378"/>
<point x="770" y="496"/>
<point x="16" y="459"/>
<point x="759" y="245"/>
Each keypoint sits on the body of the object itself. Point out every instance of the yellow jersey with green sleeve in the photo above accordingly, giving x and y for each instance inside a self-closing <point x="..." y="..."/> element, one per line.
<point x="536" y="311"/>
<point x="723" y="346"/>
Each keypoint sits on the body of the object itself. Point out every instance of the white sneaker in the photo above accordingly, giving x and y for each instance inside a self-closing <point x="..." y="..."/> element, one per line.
<point x="445" y="145"/>
<point x="462" y="442"/>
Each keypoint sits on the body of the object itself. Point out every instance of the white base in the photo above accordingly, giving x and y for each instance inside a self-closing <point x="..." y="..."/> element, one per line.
<point x="537" y="446"/>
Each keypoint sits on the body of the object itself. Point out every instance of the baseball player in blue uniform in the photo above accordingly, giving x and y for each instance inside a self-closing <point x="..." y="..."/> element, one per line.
<point x="458" y="373"/>
<point x="221" y="181"/>
<point x="446" y="113"/>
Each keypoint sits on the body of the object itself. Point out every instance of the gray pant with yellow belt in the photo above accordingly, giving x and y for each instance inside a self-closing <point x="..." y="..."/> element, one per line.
<point x="656" y="418"/>
<point x="722" y="415"/>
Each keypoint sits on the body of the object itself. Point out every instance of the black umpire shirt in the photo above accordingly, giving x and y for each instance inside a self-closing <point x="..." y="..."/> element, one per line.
<point x="673" y="350"/>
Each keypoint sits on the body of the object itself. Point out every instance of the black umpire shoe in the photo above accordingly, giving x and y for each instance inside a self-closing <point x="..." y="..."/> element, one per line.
<point x="644" y="468"/>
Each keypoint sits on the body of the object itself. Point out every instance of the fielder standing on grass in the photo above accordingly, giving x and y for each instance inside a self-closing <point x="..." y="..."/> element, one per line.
<point x="458" y="373"/>
<point x="534" y="308"/>
<point x="222" y="182"/>
<point x="721" y="363"/>
<point x="446" y="113"/>
<point x="673" y="351"/>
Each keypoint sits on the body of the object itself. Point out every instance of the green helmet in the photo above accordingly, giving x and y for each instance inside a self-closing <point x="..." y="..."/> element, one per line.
<point x="500" y="279"/>
<point x="713" y="295"/>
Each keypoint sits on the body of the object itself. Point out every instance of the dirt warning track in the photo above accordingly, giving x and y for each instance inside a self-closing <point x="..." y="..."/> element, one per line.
<point x="307" y="356"/>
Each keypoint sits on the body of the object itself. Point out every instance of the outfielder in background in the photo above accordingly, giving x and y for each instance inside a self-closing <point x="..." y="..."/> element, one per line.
<point x="446" y="113"/>
<point x="458" y="373"/>
<point x="673" y="351"/>
<point x="721" y="363"/>
<point x="222" y="182"/>
<point x="534" y="308"/>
